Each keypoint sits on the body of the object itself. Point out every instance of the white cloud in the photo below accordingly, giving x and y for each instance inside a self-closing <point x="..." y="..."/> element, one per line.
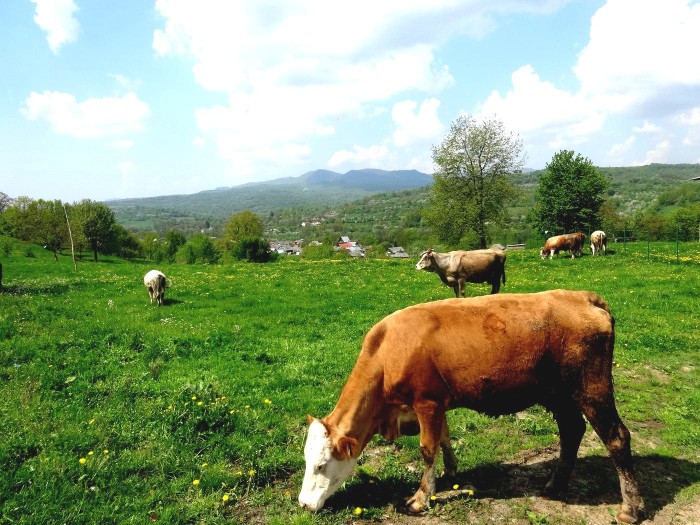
<point x="659" y="154"/>
<point x="359" y="156"/>
<point x="291" y="69"/>
<point x="95" y="117"/>
<point x="55" y="17"/>
<point x="637" y="48"/>
<point x="538" y="108"/>
<point x="619" y="150"/>
<point x="416" y="124"/>
<point x="123" y="144"/>
<point x="647" y="127"/>
<point x="691" y="117"/>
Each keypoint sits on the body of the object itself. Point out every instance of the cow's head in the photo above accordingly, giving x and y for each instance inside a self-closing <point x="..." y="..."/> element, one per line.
<point x="329" y="461"/>
<point x="426" y="260"/>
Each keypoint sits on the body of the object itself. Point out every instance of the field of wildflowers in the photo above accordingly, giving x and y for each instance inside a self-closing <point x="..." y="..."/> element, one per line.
<point x="117" y="411"/>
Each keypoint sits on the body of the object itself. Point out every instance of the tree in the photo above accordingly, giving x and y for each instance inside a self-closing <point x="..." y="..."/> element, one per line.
<point x="48" y="225"/>
<point x="253" y="249"/>
<point x="570" y="195"/>
<point x="96" y="222"/>
<point x="472" y="185"/>
<point x="173" y="241"/>
<point x="245" y="224"/>
<point x="5" y="202"/>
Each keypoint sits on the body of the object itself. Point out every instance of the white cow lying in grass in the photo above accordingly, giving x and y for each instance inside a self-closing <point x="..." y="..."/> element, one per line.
<point x="156" y="283"/>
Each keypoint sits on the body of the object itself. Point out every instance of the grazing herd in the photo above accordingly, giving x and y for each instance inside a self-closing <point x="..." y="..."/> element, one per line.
<point x="496" y="354"/>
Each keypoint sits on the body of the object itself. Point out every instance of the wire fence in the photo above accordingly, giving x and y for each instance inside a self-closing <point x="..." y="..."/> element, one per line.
<point x="667" y="246"/>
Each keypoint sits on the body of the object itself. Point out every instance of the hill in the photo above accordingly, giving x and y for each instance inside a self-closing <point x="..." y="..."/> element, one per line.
<point x="366" y="199"/>
<point x="210" y="208"/>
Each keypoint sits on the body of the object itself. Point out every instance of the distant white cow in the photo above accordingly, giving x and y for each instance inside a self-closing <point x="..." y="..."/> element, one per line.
<point x="598" y="242"/>
<point x="156" y="283"/>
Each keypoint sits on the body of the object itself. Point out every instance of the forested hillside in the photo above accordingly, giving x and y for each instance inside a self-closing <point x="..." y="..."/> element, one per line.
<point x="343" y="206"/>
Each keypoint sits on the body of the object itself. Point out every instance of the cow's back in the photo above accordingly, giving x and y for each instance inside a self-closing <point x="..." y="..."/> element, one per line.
<point x="464" y="351"/>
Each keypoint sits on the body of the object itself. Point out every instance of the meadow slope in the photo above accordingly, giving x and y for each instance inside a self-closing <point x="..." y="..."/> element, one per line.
<point x="117" y="411"/>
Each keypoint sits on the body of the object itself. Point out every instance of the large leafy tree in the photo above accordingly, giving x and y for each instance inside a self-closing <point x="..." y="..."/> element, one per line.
<point x="570" y="195"/>
<point x="243" y="225"/>
<point x="472" y="184"/>
<point x="96" y="224"/>
<point x="48" y="224"/>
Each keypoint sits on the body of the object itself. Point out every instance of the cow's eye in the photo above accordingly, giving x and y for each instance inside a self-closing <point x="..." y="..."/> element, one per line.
<point x="321" y="467"/>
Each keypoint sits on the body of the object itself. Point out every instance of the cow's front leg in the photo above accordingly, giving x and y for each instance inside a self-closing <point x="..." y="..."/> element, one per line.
<point x="430" y="418"/>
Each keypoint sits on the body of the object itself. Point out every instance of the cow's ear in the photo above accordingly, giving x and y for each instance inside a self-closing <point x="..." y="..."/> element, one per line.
<point x="309" y="419"/>
<point x="430" y="251"/>
<point x="347" y="447"/>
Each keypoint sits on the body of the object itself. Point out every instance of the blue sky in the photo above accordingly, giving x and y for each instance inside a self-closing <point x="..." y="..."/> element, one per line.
<point x="177" y="96"/>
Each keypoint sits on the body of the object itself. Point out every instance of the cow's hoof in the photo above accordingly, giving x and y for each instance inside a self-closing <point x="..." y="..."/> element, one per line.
<point x="414" y="506"/>
<point x="624" y="517"/>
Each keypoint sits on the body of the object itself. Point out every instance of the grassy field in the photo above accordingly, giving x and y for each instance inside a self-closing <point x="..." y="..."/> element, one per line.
<point x="117" y="411"/>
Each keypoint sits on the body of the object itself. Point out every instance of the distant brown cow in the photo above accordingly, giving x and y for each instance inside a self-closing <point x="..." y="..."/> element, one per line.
<point x="571" y="242"/>
<point x="599" y="242"/>
<point x="496" y="354"/>
<point x="459" y="267"/>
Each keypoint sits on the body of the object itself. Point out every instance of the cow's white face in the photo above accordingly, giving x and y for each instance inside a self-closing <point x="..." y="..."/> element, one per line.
<point x="324" y="472"/>
<point x="425" y="262"/>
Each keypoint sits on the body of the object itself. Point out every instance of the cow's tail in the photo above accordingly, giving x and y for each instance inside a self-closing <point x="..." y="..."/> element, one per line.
<point x="503" y="275"/>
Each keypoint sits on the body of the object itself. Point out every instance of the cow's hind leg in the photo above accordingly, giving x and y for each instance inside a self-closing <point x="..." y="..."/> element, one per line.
<point x="571" y="429"/>
<point x="614" y="434"/>
<point x="430" y="418"/>
<point x="448" y="454"/>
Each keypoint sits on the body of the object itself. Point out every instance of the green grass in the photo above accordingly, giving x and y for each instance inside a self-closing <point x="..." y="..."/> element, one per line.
<point x="215" y="385"/>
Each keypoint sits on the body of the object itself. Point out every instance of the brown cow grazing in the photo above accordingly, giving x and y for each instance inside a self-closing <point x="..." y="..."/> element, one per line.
<point x="496" y="354"/>
<point x="475" y="266"/>
<point x="598" y="242"/>
<point x="571" y="242"/>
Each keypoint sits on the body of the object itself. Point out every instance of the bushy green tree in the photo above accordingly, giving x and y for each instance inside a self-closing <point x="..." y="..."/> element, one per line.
<point x="243" y="225"/>
<point x="569" y="196"/>
<point x="48" y="224"/>
<point x="173" y="241"/>
<point x="95" y="221"/>
<point x="253" y="249"/>
<point x="472" y="184"/>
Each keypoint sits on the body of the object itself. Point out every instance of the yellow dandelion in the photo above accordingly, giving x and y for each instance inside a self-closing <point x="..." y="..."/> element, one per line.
<point x="225" y="497"/>
<point x="251" y="473"/>
<point x="268" y="402"/>
<point x="105" y="451"/>
<point x="82" y="461"/>
<point x="204" y="465"/>
<point x="455" y="487"/>
<point x="170" y="407"/>
<point x="194" y="397"/>
<point x="231" y="411"/>
<point x="90" y="453"/>
<point x="239" y="473"/>
<point x="433" y="498"/>
<point x="91" y="422"/>
<point x="199" y="403"/>
<point x="470" y="492"/>
<point x="358" y="511"/>
<point x="195" y="482"/>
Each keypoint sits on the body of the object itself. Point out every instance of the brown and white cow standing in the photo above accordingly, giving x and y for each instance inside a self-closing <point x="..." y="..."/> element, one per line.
<point x="496" y="354"/>
<point x="571" y="242"/>
<point x="156" y="283"/>
<point x="599" y="242"/>
<point x="459" y="267"/>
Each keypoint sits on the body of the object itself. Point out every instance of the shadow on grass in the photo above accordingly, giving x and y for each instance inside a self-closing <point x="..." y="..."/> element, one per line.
<point x="594" y="482"/>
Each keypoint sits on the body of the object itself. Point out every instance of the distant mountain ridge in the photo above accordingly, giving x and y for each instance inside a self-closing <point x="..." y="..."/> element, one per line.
<point x="374" y="180"/>
<point x="318" y="187"/>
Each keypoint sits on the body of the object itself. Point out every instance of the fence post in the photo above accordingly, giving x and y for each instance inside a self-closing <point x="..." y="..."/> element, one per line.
<point x="648" y="245"/>
<point x="624" y="238"/>
<point x="678" y="228"/>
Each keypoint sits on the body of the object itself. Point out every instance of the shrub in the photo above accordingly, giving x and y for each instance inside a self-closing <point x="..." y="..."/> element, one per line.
<point x="253" y="249"/>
